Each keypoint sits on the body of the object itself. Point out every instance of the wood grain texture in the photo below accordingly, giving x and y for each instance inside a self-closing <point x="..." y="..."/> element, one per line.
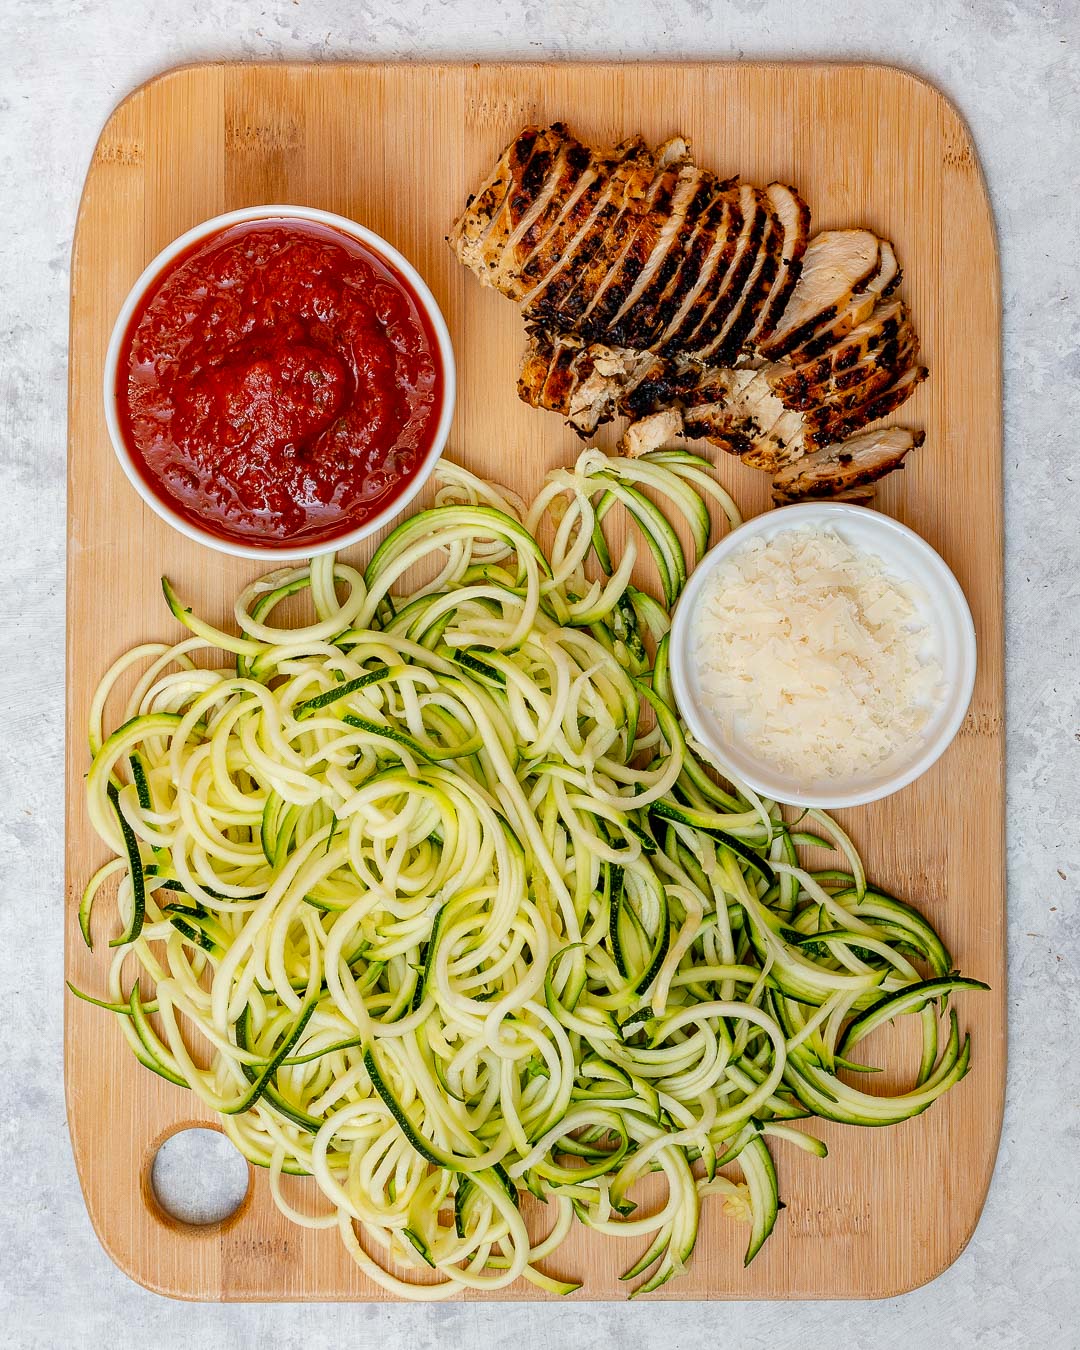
<point x="398" y="148"/>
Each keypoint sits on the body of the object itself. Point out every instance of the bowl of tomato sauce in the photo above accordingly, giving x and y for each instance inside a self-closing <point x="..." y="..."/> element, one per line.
<point x="279" y="382"/>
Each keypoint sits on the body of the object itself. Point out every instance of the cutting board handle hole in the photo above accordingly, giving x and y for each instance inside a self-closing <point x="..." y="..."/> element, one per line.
<point x="197" y="1178"/>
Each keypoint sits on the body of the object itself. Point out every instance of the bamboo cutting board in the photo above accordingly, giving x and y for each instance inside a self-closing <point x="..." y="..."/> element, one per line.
<point x="397" y="148"/>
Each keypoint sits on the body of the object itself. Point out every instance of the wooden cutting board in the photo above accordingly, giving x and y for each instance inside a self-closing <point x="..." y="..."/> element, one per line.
<point x="398" y="148"/>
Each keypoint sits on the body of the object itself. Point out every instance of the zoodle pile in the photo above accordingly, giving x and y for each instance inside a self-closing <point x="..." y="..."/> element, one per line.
<point x="430" y="898"/>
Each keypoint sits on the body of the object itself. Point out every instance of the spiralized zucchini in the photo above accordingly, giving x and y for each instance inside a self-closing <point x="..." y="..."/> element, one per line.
<point x="430" y="899"/>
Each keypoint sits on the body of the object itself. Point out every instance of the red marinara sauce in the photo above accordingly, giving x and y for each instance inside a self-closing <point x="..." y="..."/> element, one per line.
<point x="279" y="383"/>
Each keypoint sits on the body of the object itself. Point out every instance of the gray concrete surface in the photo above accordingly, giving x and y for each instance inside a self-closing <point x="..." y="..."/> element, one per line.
<point x="1014" y="70"/>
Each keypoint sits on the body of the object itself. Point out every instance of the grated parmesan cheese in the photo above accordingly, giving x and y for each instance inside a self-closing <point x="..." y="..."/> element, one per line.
<point x="814" y="658"/>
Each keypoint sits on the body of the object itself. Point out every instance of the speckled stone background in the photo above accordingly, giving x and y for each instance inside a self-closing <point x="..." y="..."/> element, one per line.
<point x="1013" y="67"/>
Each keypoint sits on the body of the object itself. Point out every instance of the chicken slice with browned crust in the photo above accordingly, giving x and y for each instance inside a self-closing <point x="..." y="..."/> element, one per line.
<point x="858" y="308"/>
<point x="794" y="216"/>
<point x="624" y="188"/>
<point x="471" y="228"/>
<point x="837" y="265"/>
<point x="846" y="467"/>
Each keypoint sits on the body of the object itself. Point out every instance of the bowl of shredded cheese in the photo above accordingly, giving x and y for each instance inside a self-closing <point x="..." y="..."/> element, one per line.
<point x="823" y="654"/>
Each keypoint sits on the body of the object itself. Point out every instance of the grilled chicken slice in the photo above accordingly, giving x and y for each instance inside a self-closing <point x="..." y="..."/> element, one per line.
<point x="732" y="408"/>
<point x="799" y="385"/>
<point x="528" y="190"/>
<point x="706" y="317"/>
<point x="881" y="405"/>
<point x="620" y="308"/>
<point x="567" y="229"/>
<point x="837" y="265"/>
<point x="567" y="178"/>
<point x="700" y="251"/>
<point x="471" y="228"/>
<point x="794" y="216"/>
<point x="846" y="468"/>
<point x="583" y="382"/>
<point x="863" y="382"/>
<point x="748" y="419"/>
<point x="623" y="189"/>
<point x="842" y="416"/>
<point x="630" y="242"/>
<point x="650" y="433"/>
<point x="728" y="343"/>
<point x="855" y="311"/>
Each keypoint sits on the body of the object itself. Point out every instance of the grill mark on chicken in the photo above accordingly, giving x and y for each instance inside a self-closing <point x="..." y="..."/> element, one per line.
<point x="580" y="172"/>
<point x="581" y="381"/>
<point x="535" y="368"/>
<point x="632" y="235"/>
<point x="627" y="182"/>
<point x="883" y="327"/>
<point x="856" y="383"/>
<point x="859" y="382"/>
<point x="628" y="285"/>
<point x="840" y="405"/>
<point x="505" y="256"/>
<point x="867" y="337"/>
<point x="883" y="404"/>
<point x="525" y="196"/>
<point x="551" y="251"/>
<point x="707" y="256"/>
<point x="489" y="246"/>
<point x="472" y="226"/>
<point x="660" y="385"/>
<point x="902" y="346"/>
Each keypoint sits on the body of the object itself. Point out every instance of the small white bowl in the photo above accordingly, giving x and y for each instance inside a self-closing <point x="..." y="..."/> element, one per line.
<point x="906" y="556"/>
<point x="389" y="254"/>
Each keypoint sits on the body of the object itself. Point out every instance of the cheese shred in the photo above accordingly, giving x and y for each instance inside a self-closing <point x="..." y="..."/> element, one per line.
<point x="814" y="658"/>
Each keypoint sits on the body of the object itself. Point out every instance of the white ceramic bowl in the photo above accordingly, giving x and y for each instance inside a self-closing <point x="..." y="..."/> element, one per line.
<point x="377" y="245"/>
<point x="906" y="556"/>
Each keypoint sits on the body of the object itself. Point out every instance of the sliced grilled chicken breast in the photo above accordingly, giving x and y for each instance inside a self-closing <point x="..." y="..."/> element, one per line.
<point x="798" y="386"/>
<point x="865" y="381"/>
<point x="527" y="187"/>
<point x="617" y="302"/>
<point x="626" y="185"/>
<point x="566" y="232"/>
<point x="728" y="343"/>
<point x="629" y="243"/>
<point x="583" y="382"/>
<point x="569" y="167"/>
<point x="883" y="404"/>
<point x="657" y="291"/>
<point x="881" y="327"/>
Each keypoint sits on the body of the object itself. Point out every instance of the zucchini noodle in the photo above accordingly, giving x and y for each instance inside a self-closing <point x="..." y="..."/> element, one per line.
<point x="429" y="899"/>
